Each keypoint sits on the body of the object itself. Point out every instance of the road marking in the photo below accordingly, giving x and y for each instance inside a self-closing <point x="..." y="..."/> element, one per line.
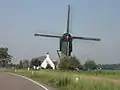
<point x="30" y="80"/>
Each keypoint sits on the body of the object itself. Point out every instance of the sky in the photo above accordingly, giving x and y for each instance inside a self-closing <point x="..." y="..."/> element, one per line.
<point x="20" y="19"/>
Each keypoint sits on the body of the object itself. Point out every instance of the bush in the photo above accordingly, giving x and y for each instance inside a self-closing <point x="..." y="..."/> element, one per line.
<point x="90" y="65"/>
<point x="69" y="63"/>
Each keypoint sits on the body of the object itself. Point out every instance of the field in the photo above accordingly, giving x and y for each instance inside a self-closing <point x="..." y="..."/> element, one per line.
<point x="75" y="80"/>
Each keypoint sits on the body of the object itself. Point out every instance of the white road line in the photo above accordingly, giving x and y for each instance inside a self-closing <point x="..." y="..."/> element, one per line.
<point x="30" y="80"/>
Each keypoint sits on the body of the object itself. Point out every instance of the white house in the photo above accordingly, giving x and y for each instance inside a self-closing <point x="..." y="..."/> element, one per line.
<point x="47" y="61"/>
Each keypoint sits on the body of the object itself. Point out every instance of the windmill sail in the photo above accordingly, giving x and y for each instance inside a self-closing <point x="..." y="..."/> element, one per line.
<point x="68" y="19"/>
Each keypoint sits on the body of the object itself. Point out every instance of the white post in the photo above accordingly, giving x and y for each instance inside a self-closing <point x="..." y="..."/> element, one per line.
<point x="28" y="68"/>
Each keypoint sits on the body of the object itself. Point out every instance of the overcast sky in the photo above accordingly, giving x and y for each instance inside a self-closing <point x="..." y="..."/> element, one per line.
<point x="20" y="19"/>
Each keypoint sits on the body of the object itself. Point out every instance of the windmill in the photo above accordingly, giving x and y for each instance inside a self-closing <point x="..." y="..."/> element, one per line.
<point x="66" y="39"/>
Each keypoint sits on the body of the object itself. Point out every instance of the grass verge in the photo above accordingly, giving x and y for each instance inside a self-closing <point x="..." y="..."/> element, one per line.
<point x="66" y="80"/>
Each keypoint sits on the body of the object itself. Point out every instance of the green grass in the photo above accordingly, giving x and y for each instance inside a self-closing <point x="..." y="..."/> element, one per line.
<point x="66" y="80"/>
<point x="115" y="74"/>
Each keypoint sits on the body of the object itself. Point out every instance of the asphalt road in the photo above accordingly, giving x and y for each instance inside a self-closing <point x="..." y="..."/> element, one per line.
<point x="12" y="82"/>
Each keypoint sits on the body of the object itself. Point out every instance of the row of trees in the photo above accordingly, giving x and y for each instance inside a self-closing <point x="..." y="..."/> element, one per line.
<point x="65" y="62"/>
<point x="23" y="64"/>
<point x="73" y="63"/>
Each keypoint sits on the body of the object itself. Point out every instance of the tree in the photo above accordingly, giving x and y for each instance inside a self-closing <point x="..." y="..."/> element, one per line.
<point x="5" y="57"/>
<point x="69" y="63"/>
<point x="21" y="64"/>
<point x="25" y="63"/>
<point x="90" y="64"/>
<point x="35" y="62"/>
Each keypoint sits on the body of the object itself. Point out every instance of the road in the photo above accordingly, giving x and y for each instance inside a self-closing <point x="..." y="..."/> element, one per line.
<point x="12" y="82"/>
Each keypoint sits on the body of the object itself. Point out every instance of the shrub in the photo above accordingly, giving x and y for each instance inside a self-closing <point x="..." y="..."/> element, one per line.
<point x="69" y="63"/>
